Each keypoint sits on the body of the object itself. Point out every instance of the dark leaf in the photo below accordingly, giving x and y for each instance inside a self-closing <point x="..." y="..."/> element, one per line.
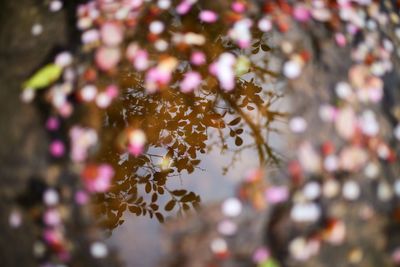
<point x="154" y="197"/>
<point x="179" y="192"/>
<point x="235" y="121"/>
<point x="154" y="206"/>
<point x="148" y="187"/>
<point x="239" y="131"/>
<point x="160" y="190"/>
<point x="189" y="197"/>
<point x="265" y="48"/>
<point x="238" y="141"/>
<point x="135" y="209"/>
<point x="159" y="217"/>
<point x="195" y="162"/>
<point x="190" y="169"/>
<point x="160" y="176"/>
<point x="139" y="200"/>
<point x="170" y="205"/>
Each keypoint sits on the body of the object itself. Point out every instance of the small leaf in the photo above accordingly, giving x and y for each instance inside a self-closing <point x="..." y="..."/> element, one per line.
<point x="154" y="206"/>
<point x="133" y="209"/>
<point x="235" y="121"/>
<point x="139" y="200"/>
<point x="170" y="205"/>
<point x="239" y="131"/>
<point x="265" y="48"/>
<point x="238" y="141"/>
<point x="196" y="205"/>
<point x="250" y="108"/>
<point x="179" y="192"/>
<point x="159" y="217"/>
<point x="270" y="262"/>
<point x="190" y="168"/>
<point x="195" y="162"/>
<point x="148" y="187"/>
<point x="160" y="190"/>
<point x="154" y="197"/>
<point x="44" y="77"/>
<point x="136" y="210"/>
<point x="189" y="197"/>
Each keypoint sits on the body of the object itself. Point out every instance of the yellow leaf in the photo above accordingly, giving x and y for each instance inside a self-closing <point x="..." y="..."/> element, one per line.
<point x="44" y="77"/>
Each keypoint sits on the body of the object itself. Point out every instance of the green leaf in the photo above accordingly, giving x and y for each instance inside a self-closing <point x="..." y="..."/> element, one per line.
<point x="269" y="263"/>
<point x="44" y="77"/>
<point x="242" y="65"/>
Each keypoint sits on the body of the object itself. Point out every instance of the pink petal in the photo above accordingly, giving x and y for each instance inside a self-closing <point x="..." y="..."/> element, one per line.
<point x="198" y="58"/>
<point x="137" y="141"/>
<point x="111" y="34"/>
<point x="107" y="58"/>
<point x="190" y="82"/>
<point x="112" y="91"/>
<point x="224" y="71"/>
<point x="184" y="7"/>
<point x="81" y="197"/>
<point x="136" y="149"/>
<point x="340" y="39"/>
<point x="277" y="194"/>
<point x="208" y="16"/>
<point x="141" y="61"/>
<point x="301" y="13"/>
<point x="57" y="148"/>
<point x="238" y="7"/>
<point x="52" y="124"/>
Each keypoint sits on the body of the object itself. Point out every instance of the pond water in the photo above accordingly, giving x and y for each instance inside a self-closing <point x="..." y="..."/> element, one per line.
<point x="181" y="118"/>
<point x="194" y="148"/>
<point x="209" y="181"/>
<point x="164" y="107"/>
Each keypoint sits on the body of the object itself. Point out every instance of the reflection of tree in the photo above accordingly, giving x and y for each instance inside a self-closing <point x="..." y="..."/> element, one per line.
<point x="183" y="126"/>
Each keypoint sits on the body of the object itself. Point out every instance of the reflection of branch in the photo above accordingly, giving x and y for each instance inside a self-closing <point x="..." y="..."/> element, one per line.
<point x="153" y="155"/>
<point x="260" y="142"/>
<point x="237" y="152"/>
<point x="200" y="168"/>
